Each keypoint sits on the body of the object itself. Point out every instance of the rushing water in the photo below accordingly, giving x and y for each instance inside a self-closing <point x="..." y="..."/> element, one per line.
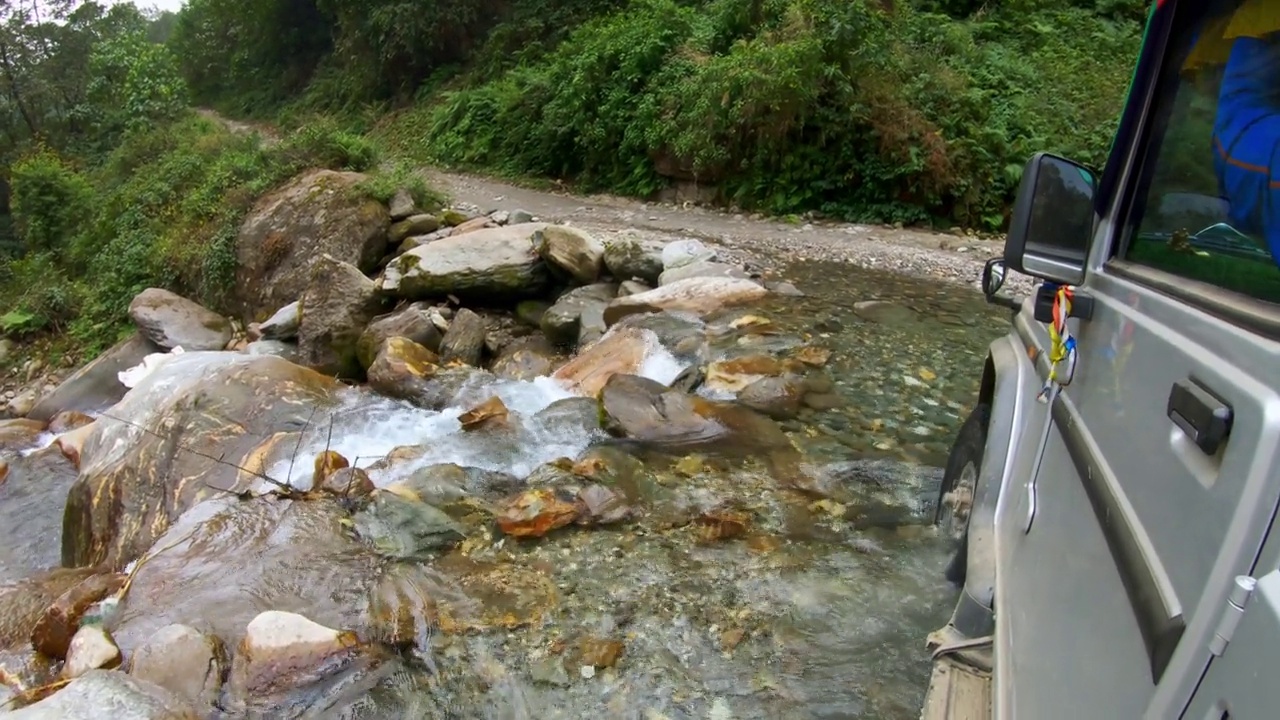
<point x="818" y="610"/>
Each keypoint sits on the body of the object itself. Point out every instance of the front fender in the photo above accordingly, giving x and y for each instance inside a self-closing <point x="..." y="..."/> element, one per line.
<point x="1009" y="382"/>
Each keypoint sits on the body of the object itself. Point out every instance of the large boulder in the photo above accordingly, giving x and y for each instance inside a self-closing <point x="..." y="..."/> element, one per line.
<point x="107" y="693"/>
<point x="337" y="306"/>
<point x="199" y="426"/>
<point x="489" y="264"/>
<point x="97" y="385"/>
<point x="413" y="322"/>
<point x="571" y="252"/>
<point x="184" y="661"/>
<point x="699" y="295"/>
<point x="629" y="259"/>
<point x="170" y="321"/>
<point x="562" y="322"/>
<point x="286" y="232"/>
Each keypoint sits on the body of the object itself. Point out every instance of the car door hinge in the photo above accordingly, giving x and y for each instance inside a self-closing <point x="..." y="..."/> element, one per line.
<point x="1241" y="591"/>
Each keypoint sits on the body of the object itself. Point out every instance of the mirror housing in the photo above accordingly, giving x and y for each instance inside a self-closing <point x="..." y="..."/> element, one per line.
<point x="1053" y="220"/>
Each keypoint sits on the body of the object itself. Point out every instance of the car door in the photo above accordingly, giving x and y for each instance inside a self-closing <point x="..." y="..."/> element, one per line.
<point x="1157" y="480"/>
<point x="1240" y="682"/>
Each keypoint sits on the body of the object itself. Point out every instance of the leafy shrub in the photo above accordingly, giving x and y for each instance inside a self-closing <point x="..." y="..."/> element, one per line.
<point x="320" y="140"/>
<point x="50" y="202"/>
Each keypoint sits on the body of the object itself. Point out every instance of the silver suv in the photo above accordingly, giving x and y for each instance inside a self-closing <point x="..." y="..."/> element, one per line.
<point x="1114" y="516"/>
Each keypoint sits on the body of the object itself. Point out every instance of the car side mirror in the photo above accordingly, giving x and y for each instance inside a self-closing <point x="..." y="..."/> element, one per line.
<point x="1053" y="220"/>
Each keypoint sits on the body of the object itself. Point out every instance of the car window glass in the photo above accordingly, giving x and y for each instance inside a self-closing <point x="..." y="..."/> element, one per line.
<point x="1212" y="209"/>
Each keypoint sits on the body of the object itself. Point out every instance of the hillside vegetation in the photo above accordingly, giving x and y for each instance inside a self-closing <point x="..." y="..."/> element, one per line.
<point x="863" y="110"/>
<point x="885" y="111"/>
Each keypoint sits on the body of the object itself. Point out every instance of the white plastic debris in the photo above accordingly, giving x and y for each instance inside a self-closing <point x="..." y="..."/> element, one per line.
<point x="134" y="375"/>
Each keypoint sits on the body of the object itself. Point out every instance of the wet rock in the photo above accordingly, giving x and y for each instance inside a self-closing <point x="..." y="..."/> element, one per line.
<point x="275" y="348"/>
<point x="563" y="321"/>
<point x="525" y="359"/>
<point x="489" y="264"/>
<point x="783" y="288"/>
<point x="401" y="205"/>
<point x="643" y="409"/>
<point x="404" y="369"/>
<point x="685" y="252"/>
<point x="337" y="305"/>
<point x="490" y="413"/>
<point x="734" y="374"/>
<point x="530" y="312"/>
<point x="598" y="652"/>
<point x="170" y="321"/>
<point x="631" y="287"/>
<point x="704" y="268"/>
<point x="327" y="463"/>
<point x="446" y="483"/>
<point x="18" y="434"/>
<point x="22" y="404"/>
<point x="348" y="483"/>
<point x="96" y="385"/>
<point x="623" y="350"/>
<point x="885" y="312"/>
<point x="283" y="651"/>
<point x="319" y="213"/>
<point x="23" y="602"/>
<point x="464" y="341"/>
<point x="600" y="505"/>
<point x="58" y="624"/>
<point x="571" y="251"/>
<point x="534" y="513"/>
<point x="133" y="482"/>
<point x="413" y="322"/>
<point x="631" y="259"/>
<point x="413" y="226"/>
<point x="283" y="325"/>
<point x="184" y="661"/>
<point x="225" y="560"/>
<point x="406" y="529"/>
<point x="126" y="698"/>
<point x="571" y="414"/>
<point x="681" y="335"/>
<point x="65" y="422"/>
<point x="699" y="295"/>
<point x="92" y="648"/>
<point x="71" y="444"/>
<point x="722" y="524"/>
<point x="778" y="397"/>
<point x="549" y="671"/>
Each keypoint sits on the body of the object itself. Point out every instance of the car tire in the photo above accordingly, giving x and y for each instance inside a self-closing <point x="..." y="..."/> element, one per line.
<point x="959" y="482"/>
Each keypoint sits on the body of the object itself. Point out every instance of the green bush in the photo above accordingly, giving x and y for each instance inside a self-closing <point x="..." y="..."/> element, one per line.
<point x="794" y="105"/>
<point x="50" y="202"/>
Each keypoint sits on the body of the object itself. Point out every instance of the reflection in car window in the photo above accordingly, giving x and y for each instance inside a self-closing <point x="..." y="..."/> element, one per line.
<point x="1212" y="211"/>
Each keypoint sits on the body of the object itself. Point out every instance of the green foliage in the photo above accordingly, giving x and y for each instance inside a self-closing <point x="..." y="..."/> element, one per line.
<point x="387" y="182"/>
<point x="49" y="201"/>
<point x="135" y="85"/>
<point x="795" y="105"/>
<point x="324" y="142"/>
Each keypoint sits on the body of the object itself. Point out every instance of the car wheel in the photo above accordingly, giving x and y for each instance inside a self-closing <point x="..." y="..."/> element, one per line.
<point x="959" y="481"/>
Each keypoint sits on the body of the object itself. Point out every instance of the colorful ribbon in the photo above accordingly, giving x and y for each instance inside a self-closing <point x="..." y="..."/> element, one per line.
<point x="1062" y="345"/>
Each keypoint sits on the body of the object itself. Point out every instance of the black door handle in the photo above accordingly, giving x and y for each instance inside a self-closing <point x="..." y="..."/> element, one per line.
<point x="1203" y="416"/>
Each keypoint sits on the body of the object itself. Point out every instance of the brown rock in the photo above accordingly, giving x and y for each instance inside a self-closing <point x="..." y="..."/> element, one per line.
<point x="600" y="653"/>
<point x="317" y="213"/>
<point x="71" y="444"/>
<point x="326" y="464"/>
<point x="534" y="513"/>
<point x="67" y="421"/>
<point x="52" y="634"/>
<point x="487" y="414"/>
<point x="403" y="369"/>
<point x="282" y="651"/>
<point x="476" y="223"/>
<point x="348" y="483"/>
<point x="413" y="322"/>
<point x="621" y="351"/>
<point x="18" y="434"/>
